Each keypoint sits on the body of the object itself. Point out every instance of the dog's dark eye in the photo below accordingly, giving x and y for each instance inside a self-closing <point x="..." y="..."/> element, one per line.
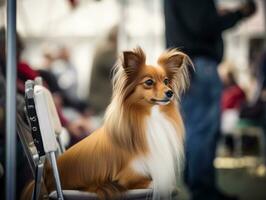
<point x="149" y="82"/>
<point x="166" y="81"/>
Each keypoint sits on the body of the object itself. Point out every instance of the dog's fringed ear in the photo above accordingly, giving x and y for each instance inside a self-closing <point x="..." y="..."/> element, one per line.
<point x="133" y="60"/>
<point x="172" y="61"/>
<point x="175" y="61"/>
<point x="176" y="66"/>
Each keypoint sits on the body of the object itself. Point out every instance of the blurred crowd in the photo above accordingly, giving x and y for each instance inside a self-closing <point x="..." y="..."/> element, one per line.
<point x="216" y="102"/>
<point x="59" y="76"/>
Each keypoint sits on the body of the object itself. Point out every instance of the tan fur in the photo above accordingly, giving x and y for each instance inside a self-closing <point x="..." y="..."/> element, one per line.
<point x="101" y="162"/>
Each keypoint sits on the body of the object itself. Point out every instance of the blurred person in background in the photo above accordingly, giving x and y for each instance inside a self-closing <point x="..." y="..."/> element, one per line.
<point x="60" y="72"/>
<point x="233" y="98"/>
<point x="196" y="27"/>
<point x="253" y="112"/>
<point x="100" y="82"/>
<point x="232" y="95"/>
<point x="63" y="69"/>
<point x="254" y="109"/>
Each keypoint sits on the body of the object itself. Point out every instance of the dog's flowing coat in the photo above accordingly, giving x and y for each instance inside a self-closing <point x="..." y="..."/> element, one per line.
<point x="140" y="144"/>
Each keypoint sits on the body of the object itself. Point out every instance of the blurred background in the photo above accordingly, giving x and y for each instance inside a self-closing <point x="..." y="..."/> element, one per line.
<point x="73" y="44"/>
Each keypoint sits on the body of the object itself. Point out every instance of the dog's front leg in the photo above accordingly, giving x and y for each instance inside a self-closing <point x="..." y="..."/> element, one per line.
<point x="130" y="179"/>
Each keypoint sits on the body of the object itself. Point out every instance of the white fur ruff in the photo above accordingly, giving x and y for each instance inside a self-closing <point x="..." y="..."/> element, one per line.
<point x="163" y="163"/>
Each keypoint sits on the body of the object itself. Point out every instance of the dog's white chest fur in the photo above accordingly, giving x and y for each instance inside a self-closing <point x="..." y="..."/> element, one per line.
<point x="162" y="163"/>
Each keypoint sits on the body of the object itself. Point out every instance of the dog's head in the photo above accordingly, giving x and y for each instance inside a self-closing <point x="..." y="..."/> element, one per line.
<point x="136" y="82"/>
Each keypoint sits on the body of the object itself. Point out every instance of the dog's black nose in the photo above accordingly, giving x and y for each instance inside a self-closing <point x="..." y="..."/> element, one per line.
<point x="169" y="93"/>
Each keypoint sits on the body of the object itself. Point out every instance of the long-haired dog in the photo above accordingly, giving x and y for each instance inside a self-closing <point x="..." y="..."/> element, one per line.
<point x="140" y="144"/>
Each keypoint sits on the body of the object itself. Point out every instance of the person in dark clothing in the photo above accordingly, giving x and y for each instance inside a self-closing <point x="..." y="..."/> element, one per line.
<point x="195" y="27"/>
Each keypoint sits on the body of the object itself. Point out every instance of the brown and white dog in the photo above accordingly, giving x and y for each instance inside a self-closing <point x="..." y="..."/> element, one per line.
<point x="140" y="144"/>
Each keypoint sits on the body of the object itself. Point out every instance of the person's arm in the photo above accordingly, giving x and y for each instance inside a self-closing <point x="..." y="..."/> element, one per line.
<point x="202" y="19"/>
<point x="229" y="18"/>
